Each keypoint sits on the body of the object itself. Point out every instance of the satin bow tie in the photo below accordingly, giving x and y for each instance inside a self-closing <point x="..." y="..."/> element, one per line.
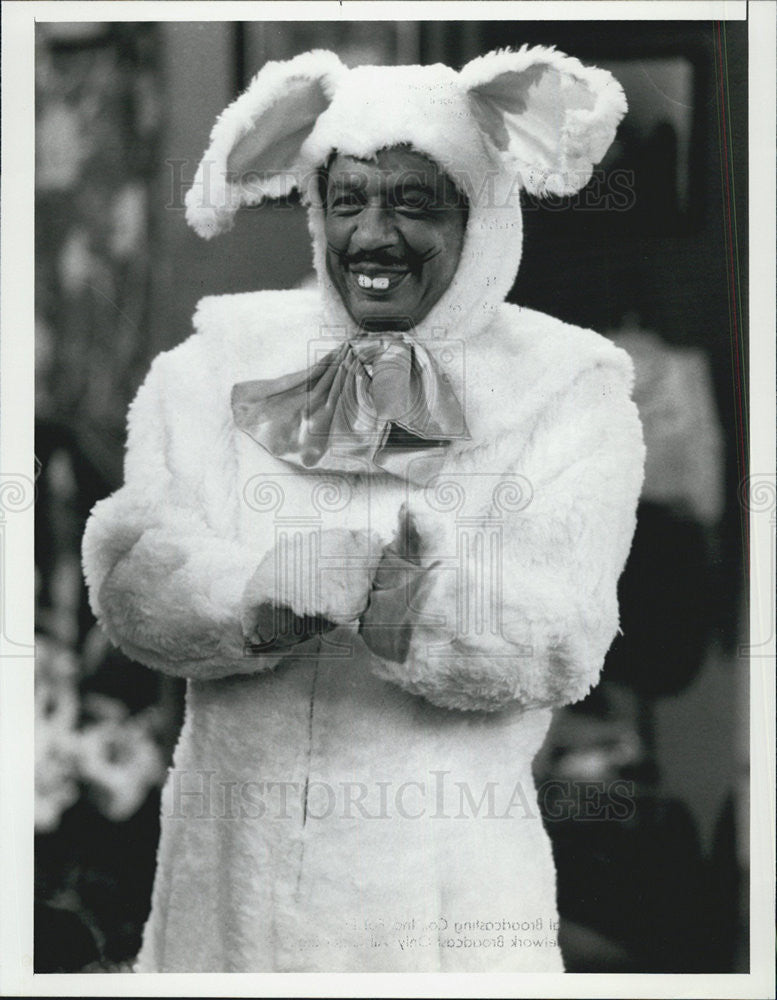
<point x="376" y="403"/>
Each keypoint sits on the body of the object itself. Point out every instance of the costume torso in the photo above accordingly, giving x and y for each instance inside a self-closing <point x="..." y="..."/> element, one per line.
<point x="320" y="814"/>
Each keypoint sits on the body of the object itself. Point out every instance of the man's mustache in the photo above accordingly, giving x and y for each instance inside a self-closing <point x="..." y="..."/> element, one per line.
<point x="410" y="259"/>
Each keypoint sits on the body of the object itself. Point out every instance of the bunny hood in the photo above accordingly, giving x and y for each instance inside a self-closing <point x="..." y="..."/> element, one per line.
<point x="533" y="120"/>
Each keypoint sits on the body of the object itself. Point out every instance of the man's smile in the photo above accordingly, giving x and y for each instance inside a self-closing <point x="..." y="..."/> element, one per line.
<point x="377" y="279"/>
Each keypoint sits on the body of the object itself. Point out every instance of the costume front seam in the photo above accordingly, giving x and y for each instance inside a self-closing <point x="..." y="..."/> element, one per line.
<point x="311" y="708"/>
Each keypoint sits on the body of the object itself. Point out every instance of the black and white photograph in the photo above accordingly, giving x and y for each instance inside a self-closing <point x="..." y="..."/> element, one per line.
<point x="398" y="537"/>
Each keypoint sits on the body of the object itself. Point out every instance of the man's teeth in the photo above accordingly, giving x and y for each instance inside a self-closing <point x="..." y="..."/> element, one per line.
<point x="365" y="281"/>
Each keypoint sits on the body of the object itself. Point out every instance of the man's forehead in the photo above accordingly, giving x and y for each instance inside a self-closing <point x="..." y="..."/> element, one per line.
<point x="396" y="163"/>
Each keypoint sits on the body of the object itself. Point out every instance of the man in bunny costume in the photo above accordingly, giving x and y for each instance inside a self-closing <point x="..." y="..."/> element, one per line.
<point x="378" y="526"/>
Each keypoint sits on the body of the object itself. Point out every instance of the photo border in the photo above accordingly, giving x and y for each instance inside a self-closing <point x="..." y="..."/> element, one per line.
<point x="17" y="454"/>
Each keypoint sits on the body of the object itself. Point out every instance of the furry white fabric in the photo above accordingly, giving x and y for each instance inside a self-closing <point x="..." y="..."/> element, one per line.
<point x="328" y="810"/>
<point x="539" y="112"/>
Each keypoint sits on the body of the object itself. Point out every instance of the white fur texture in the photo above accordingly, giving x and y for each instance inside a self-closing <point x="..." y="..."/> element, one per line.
<point x="546" y="489"/>
<point x="167" y="559"/>
<point x="214" y="197"/>
<point x="537" y="117"/>
<point x="552" y="117"/>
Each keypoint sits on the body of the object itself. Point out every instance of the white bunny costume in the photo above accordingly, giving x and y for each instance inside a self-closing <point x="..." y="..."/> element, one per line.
<point x="329" y="810"/>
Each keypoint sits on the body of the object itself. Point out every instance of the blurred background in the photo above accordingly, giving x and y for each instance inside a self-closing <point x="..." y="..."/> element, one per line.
<point x="652" y="253"/>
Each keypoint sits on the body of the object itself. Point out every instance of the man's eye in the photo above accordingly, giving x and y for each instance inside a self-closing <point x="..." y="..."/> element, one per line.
<point x="414" y="202"/>
<point x="346" y="204"/>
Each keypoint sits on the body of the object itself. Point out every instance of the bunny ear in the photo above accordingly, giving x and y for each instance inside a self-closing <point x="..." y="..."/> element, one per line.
<point x="256" y="141"/>
<point x="546" y="112"/>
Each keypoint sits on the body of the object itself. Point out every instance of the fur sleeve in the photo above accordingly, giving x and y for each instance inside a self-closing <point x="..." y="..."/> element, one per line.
<point x="549" y="581"/>
<point x="164" y="584"/>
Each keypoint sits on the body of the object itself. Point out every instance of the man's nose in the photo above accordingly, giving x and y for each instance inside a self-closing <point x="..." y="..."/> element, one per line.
<point x="374" y="229"/>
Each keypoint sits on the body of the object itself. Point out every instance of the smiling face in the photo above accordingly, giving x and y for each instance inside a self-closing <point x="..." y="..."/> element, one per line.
<point x="394" y="232"/>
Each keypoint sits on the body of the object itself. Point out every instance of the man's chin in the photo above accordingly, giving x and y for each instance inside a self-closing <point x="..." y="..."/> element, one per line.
<point x="381" y="314"/>
<point x="381" y="322"/>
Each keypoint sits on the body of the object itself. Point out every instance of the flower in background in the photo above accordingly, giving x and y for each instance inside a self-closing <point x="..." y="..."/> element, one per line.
<point x="112" y="757"/>
<point x="56" y="737"/>
<point x="128" y="221"/>
<point x="119" y="763"/>
<point x="77" y="263"/>
<point x="54" y="663"/>
<point x="60" y="148"/>
<point x="56" y="789"/>
<point x="102" y="708"/>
